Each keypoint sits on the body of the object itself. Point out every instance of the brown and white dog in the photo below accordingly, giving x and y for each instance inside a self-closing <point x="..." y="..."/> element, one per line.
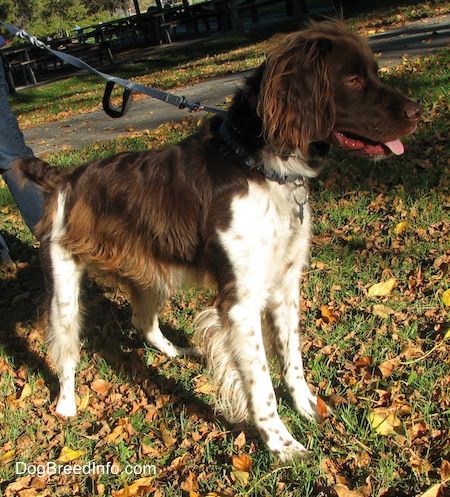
<point x="227" y="206"/>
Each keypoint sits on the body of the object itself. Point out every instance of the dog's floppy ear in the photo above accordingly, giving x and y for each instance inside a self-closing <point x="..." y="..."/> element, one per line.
<point x="295" y="101"/>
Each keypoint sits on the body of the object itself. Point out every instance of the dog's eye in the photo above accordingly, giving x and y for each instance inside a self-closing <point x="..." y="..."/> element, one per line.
<point x="355" y="82"/>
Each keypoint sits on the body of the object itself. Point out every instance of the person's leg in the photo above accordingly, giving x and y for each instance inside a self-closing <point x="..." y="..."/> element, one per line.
<point x="12" y="146"/>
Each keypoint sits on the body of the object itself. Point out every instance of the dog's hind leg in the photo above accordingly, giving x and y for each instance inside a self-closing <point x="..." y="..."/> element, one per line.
<point x="146" y="305"/>
<point x="63" y="335"/>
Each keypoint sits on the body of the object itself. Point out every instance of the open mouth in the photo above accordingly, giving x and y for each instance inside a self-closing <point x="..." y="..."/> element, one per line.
<point x="365" y="146"/>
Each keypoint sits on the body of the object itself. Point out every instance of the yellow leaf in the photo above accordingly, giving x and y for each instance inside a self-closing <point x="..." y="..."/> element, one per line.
<point x="384" y="421"/>
<point x="383" y="288"/>
<point x="401" y="228"/>
<point x="115" y="434"/>
<point x="84" y="402"/>
<point x="68" y="455"/>
<point x="382" y="311"/>
<point x="26" y="392"/>
<point x="142" y="486"/>
<point x="242" y="462"/>
<point x="434" y="491"/>
<point x="7" y="456"/>
<point x="240" y="440"/>
<point x="204" y="386"/>
<point x="446" y="297"/>
<point x="241" y="477"/>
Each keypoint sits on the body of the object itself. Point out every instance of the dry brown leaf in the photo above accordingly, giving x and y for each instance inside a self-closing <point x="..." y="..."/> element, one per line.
<point x="166" y="436"/>
<point x="203" y="385"/>
<point x="242" y="462"/>
<point x="190" y="483"/>
<point x="142" y="486"/>
<point x="344" y="491"/>
<point x="101" y="387"/>
<point x="444" y="470"/>
<point x="387" y="367"/>
<point x="322" y="408"/>
<point x="328" y="316"/>
<point x="240" y="441"/>
<point x="383" y="288"/>
<point x="115" y="434"/>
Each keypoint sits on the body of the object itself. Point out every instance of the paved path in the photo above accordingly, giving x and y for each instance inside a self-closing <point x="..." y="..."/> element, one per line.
<point x="412" y="40"/>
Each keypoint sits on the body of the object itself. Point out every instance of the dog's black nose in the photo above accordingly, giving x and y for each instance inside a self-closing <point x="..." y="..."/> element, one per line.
<point x="413" y="110"/>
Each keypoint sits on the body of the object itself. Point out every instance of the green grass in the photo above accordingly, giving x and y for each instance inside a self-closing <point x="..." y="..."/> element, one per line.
<point x="157" y="406"/>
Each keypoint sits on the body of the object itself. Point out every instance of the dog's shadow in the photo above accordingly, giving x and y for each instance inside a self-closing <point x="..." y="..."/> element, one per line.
<point x="24" y="310"/>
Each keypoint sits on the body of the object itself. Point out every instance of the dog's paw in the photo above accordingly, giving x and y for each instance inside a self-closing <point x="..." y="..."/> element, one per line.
<point x="290" y="450"/>
<point x="307" y="404"/>
<point x="66" y="407"/>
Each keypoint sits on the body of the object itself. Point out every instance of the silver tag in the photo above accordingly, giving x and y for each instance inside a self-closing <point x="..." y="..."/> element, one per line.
<point x="301" y="196"/>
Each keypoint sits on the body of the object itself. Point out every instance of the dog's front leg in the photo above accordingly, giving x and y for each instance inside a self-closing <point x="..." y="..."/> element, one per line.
<point x="283" y="317"/>
<point x="248" y="350"/>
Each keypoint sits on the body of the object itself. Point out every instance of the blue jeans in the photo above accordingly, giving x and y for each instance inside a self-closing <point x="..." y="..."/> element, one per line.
<point x="12" y="146"/>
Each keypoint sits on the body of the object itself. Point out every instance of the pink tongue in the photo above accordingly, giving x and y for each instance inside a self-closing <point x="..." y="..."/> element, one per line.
<point x="396" y="147"/>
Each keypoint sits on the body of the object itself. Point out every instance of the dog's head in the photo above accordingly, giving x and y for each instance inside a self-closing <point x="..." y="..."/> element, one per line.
<point x="322" y="84"/>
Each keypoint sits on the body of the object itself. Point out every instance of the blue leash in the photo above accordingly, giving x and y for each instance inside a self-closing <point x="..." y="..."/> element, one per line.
<point x="111" y="81"/>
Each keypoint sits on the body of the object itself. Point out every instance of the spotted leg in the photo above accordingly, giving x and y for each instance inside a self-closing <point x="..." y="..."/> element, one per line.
<point x="284" y="319"/>
<point x="146" y="305"/>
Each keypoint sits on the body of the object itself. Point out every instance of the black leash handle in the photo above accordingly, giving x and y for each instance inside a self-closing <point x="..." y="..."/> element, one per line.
<point x="170" y="98"/>
<point x="115" y="112"/>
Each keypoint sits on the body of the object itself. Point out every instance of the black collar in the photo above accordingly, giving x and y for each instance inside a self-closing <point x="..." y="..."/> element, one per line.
<point x="231" y="137"/>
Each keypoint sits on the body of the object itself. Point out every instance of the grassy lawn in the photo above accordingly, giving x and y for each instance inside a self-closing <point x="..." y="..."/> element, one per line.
<point x="381" y="362"/>
<point x="182" y="64"/>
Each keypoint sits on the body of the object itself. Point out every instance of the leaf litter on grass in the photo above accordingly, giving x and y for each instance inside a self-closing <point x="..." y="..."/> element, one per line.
<point x="379" y="360"/>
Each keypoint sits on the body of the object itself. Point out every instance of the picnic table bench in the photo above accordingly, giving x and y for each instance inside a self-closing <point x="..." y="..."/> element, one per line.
<point x="24" y="64"/>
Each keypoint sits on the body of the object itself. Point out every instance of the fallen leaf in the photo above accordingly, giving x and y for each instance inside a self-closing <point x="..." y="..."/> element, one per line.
<point x="322" y="408"/>
<point x="387" y="367"/>
<point x="166" y="436"/>
<point x="142" y="486"/>
<point x="383" y="288"/>
<point x="242" y="477"/>
<point x="203" y="385"/>
<point x="444" y="470"/>
<point x="7" y="456"/>
<point x="328" y="316"/>
<point x="401" y="227"/>
<point x="190" y="483"/>
<point x="242" y="462"/>
<point x="435" y="491"/>
<point x="84" y="402"/>
<point x="344" y="491"/>
<point x="115" y="434"/>
<point x="446" y="297"/>
<point x="26" y="392"/>
<point x="240" y="441"/>
<point x="384" y="421"/>
<point x="100" y="386"/>
<point x="383" y="311"/>
<point x="68" y="455"/>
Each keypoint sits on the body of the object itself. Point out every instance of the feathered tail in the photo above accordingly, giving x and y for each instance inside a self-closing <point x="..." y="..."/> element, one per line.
<point x="39" y="172"/>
